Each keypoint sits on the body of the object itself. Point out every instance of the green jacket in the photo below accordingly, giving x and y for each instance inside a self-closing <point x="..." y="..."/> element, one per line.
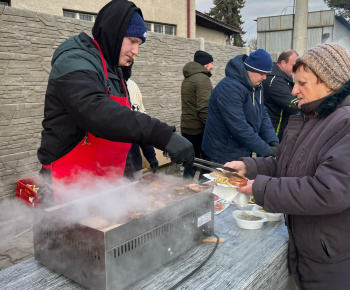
<point x="196" y="89"/>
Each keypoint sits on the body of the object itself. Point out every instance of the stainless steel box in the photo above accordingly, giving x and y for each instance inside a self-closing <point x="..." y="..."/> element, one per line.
<point x="118" y="255"/>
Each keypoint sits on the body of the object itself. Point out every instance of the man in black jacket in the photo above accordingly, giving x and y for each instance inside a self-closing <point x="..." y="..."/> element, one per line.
<point x="278" y="85"/>
<point x="88" y="126"/>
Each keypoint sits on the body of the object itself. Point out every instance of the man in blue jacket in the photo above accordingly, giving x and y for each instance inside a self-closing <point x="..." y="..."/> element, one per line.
<point x="238" y="123"/>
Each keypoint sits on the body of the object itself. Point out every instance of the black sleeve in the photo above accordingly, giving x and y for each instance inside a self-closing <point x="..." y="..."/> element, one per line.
<point x="86" y="101"/>
<point x="279" y="91"/>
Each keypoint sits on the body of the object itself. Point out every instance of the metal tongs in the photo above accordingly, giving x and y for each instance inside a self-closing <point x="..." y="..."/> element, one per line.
<point x="217" y="167"/>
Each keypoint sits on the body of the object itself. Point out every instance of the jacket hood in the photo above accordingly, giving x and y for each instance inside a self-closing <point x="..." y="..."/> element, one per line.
<point x="235" y="69"/>
<point x="110" y="26"/>
<point x="71" y="44"/>
<point x="192" y="68"/>
<point x="327" y="105"/>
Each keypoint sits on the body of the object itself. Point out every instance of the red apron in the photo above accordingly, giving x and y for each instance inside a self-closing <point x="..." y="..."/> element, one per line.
<point x="90" y="158"/>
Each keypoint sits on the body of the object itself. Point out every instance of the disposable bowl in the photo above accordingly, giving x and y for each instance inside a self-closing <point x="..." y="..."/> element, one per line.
<point x="249" y="224"/>
<point x="271" y="217"/>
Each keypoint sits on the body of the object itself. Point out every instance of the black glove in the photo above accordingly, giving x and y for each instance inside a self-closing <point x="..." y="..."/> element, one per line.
<point x="272" y="152"/>
<point x="154" y="164"/>
<point x="274" y="144"/>
<point x="180" y="150"/>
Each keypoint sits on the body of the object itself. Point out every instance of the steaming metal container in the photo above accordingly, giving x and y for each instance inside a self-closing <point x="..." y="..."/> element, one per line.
<point x="115" y="257"/>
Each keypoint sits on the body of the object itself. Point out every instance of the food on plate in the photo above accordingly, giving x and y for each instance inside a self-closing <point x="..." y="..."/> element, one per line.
<point x="216" y="197"/>
<point x="230" y="179"/>
<point x="219" y="206"/>
<point x="215" y="174"/>
<point x="222" y="179"/>
<point x="237" y="181"/>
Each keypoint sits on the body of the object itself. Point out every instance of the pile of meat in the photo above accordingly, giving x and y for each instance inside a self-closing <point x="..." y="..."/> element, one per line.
<point x="151" y="193"/>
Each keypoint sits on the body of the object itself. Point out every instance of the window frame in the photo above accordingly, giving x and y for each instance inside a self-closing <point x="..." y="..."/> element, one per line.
<point x="78" y="15"/>
<point x="163" y="27"/>
<point x="6" y="3"/>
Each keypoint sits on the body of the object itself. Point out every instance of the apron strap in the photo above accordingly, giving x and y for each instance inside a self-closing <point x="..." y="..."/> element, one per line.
<point x="103" y="60"/>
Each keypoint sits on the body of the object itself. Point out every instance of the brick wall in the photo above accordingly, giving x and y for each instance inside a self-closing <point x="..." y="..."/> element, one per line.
<point x="27" y="42"/>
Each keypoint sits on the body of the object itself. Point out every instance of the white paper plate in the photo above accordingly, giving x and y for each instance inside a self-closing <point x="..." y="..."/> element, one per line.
<point x="249" y="206"/>
<point x="207" y="175"/>
<point x="220" y="211"/>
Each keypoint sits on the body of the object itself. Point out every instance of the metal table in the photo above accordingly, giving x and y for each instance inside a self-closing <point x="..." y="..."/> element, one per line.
<point x="248" y="259"/>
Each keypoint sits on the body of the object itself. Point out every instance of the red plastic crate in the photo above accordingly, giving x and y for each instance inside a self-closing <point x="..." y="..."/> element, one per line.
<point x="25" y="192"/>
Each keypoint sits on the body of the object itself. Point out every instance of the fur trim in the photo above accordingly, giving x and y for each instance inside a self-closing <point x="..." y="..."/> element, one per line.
<point x="333" y="101"/>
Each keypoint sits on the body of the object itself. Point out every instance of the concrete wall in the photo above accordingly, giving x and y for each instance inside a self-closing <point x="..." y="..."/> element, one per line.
<point x="211" y="35"/>
<point x="27" y="42"/>
<point x="163" y="11"/>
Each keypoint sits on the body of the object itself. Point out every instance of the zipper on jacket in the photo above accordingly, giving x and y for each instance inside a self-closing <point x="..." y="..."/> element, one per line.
<point x="324" y="246"/>
<point x="253" y="96"/>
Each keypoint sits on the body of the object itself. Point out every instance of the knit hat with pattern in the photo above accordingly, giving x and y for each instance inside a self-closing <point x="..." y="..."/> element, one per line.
<point x="259" y="61"/>
<point x="330" y="62"/>
<point x="136" y="27"/>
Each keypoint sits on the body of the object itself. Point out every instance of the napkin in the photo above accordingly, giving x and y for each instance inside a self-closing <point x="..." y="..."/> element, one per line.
<point x="232" y="195"/>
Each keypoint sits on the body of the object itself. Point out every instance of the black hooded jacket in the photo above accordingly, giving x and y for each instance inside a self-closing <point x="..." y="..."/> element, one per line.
<point x="76" y="101"/>
<point x="110" y="26"/>
<point x="278" y="99"/>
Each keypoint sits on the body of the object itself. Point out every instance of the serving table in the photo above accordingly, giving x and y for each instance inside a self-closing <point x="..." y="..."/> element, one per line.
<point x="248" y="259"/>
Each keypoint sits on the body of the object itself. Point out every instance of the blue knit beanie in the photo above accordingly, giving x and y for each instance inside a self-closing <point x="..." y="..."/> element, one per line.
<point x="136" y="27"/>
<point x="259" y="61"/>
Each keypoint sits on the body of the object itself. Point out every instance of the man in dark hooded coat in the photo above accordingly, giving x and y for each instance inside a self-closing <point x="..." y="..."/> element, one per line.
<point x="88" y="125"/>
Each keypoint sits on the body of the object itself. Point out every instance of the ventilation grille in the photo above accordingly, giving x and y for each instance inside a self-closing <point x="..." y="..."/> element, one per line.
<point x="65" y="241"/>
<point x="186" y="219"/>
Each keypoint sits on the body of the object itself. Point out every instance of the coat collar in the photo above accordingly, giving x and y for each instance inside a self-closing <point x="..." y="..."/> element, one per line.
<point x="327" y="105"/>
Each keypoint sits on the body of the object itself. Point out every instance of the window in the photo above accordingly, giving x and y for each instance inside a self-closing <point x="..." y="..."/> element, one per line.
<point x="160" y="28"/>
<point x="79" y="15"/>
<point x="169" y="29"/>
<point x="87" y="17"/>
<point x="5" y="2"/>
<point x="69" y="14"/>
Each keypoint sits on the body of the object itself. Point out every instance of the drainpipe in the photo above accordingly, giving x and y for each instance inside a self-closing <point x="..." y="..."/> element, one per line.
<point x="188" y="18"/>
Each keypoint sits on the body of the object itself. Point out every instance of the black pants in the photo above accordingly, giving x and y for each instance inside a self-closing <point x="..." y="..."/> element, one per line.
<point x="196" y="141"/>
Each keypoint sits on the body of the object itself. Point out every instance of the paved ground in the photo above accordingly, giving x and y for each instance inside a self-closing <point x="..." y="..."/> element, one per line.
<point x="16" y="243"/>
<point x="16" y="228"/>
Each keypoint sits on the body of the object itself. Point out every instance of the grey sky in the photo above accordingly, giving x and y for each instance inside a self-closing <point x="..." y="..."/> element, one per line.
<point x="260" y="8"/>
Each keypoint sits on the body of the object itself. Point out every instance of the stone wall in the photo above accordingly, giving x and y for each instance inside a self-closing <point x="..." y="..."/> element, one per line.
<point x="27" y="42"/>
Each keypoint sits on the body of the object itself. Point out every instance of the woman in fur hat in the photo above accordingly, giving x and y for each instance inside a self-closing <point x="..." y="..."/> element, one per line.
<point x="309" y="179"/>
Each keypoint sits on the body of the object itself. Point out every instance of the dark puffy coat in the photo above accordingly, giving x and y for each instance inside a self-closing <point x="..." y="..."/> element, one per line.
<point x="237" y="122"/>
<point x="315" y="157"/>
<point x="76" y="101"/>
<point x="278" y="100"/>
<point x="195" y="93"/>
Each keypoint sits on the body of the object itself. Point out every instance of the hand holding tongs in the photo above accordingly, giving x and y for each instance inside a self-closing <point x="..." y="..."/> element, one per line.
<point x="217" y="167"/>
